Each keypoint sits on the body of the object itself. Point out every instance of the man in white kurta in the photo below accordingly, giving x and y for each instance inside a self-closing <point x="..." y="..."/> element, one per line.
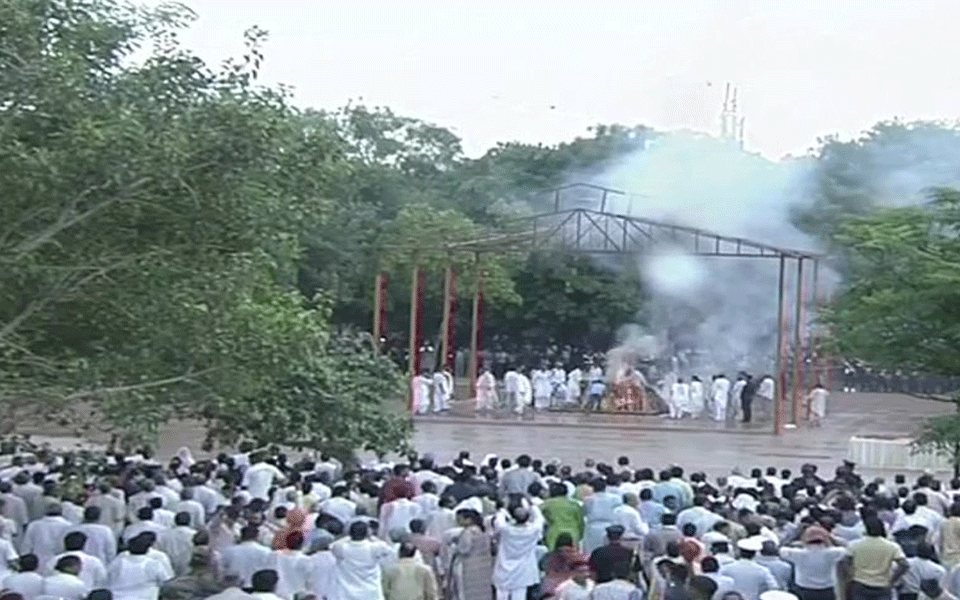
<point x="720" y="393"/>
<point x="246" y="558"/>
<point x="442" y="388"/>
<point x="396" y="515"/>
<point x="540" y="380"/>
<point x="510" y="383"/>
<point x="516" y="566"/>
<point x="420" y="387"/>
<point x="259" y="478"/>
<point x="735" y="392"/>
<point x="358" y="573"/>
<point x="177" y="544"/>
<point x="524" y="395"/>
<point x="101" y="541"/>
<point x="93" y="572"/>
<point x="765" y="394"/>
<point x="574" y="379"/>
<point x="134" y="575"/>
<point x="44" y="537"/>
<point x="558" y="386"/>
<point x="486" y="391"/>
<point x="696" y="397"/>
<point x="679" y="399"/>
<point x="64" y="583"/>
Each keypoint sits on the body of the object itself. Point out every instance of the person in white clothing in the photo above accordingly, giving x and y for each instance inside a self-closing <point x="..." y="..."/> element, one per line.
<point x="518" y="533"/>
<point x="264" y="585"/>
<point x="64" y="583"/>
<point x="359" y="560"/>
<point x="679" y="399"/>
<point x="720" y="394"/>
<point x="817" y="401"/>
<point x="247" y="557"/>
<point x="765" y="393"/>
<point x="696" y="397"/>
<point x="101" y="541"/>
<point x="293" y="567"/>
<point x="28" y="582"/>
<point x="177" y="544"/>
<point x="323" y="571"/>
<point x="486" y="391"/>
<point x="558" y="386"/>
<point x="540" y="380"/>
<point x="93" y="573"/>
<point x="44" y="537"/>
<point x="397" y="514"/>
<point x="442" y="389"/>
<point x="420" y="387"/>
<point x="511" y="386"/>
<point x="524" y="395"/>
<point x="574" y="379"/>
<point x="260" y="477"/>
<point x="133" y="575"/>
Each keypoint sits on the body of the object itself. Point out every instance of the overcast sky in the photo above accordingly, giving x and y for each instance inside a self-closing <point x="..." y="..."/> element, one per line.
<point x="533" y="71"/>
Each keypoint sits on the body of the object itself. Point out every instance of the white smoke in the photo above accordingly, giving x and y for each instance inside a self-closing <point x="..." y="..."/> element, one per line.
<point x="724" y="308"/>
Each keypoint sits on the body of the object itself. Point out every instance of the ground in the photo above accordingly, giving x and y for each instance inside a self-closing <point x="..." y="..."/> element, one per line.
<point x="656" y="442"/>
<point x="647" y="441"/>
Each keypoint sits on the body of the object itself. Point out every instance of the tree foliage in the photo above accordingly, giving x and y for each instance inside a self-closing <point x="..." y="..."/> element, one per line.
<point x="149" y="233"/>
<point x="900" y="302"/>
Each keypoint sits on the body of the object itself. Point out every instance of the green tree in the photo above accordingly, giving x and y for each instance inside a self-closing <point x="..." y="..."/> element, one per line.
<point x="149" y="234"/>
<point x="900" y="303"/>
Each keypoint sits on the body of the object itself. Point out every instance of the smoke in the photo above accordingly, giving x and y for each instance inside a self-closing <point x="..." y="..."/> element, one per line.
<point x="722" y="311"/>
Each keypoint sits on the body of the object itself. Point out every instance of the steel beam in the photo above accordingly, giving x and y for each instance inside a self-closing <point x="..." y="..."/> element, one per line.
<point x="778" y="421"/>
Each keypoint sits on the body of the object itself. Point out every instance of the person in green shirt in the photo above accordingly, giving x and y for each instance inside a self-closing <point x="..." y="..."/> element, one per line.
<point x="562" y="515"/>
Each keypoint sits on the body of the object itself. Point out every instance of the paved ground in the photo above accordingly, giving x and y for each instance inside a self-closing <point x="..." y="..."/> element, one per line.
<point x="657" y="442"/>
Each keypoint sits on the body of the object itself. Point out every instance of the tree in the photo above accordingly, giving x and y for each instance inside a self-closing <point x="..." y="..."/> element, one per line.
<point x="900" y="303"/>
<point x="890" y="165"/>
<point x="149" y="234"/>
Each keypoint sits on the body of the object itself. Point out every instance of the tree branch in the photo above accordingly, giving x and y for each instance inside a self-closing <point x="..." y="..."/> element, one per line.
<point x="136" y="386"/>
<point x="67" y="219"/>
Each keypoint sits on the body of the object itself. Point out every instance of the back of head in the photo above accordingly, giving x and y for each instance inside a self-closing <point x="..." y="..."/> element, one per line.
<point x="264" y="581"/>
<point x="523" y="461"/>
<point x="703" y="586"/>
<point x="182" y="519"/>
<point x="68" y="564"/>
<point x="359" y="531"/>
<point x="74" y="541"/>
<point x="874" y="527"/>
<point x="417" y="526"/>
<point x="709" y="564"/>
<point x="91" y="514"/>
<point x="100" y="594"/>
<point x="28" y="562"/>
<point x="145" y="514"/>
<point x="407" y="550"/>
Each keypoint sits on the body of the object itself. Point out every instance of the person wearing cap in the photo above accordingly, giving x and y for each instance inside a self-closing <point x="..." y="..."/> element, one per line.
<point x="749" y="578"/>
<point x="873" y="565"/>
<point x="604" y="559"/>
<point x="814" y="564"/>
<point x="777" y="595"/>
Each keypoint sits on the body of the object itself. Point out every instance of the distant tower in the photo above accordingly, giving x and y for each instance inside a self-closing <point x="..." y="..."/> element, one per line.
<point x="731" y="124"/>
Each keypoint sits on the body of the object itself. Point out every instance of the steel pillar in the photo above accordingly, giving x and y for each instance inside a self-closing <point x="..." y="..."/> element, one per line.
<point x="475" y="325"/>
<point x="780" y="400"/>
<point x="416" y="325"/>
<point x="814" y="377"/>
<point x="797" y="344"/>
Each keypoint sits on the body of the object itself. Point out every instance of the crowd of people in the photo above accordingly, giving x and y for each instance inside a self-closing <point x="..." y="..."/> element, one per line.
<point x="595" y="388"/>
<point x="255" y="525"/>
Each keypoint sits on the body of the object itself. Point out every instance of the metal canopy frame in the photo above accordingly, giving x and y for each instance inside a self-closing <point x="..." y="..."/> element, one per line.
<point x="583" y="230"/>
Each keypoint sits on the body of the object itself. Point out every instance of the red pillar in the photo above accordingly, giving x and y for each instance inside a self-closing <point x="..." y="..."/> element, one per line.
<point x="476" y="327"/>
<point x="380" y="311"/>
<point x="416" y="326"/>
<point x="449" y="317"/>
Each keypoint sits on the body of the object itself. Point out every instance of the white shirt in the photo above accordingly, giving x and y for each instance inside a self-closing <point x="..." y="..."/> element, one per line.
<point x="135" y="577"/>
<point x="177" y="544"/>
<point x="92" y="571"/>
<point x="341" y="508"/>
<point x="245" y="559"/>
<point x="28" y="585"/>
<point x="323" y="574"/>
<point x="45" y="538"/>
<point x="65" y="587"/>
<point x="101" y="542"/>
<point x="293" y="569"/>
<point x="516" y="563"/>
<point x="259" y="478"/>
<point x="358" y="572"/>
<point x="634" y="526"/>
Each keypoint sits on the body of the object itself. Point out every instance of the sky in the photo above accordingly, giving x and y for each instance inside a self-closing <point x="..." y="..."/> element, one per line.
<point x="537" y="71"/>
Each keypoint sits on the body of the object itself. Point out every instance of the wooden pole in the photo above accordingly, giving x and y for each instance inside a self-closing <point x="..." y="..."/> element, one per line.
<point x="797" y="343"/>
<point x="379" y="311"/>
<point x="446" y="328"/>
<point x="780" y="400"/>
<point x="814" y="376"/>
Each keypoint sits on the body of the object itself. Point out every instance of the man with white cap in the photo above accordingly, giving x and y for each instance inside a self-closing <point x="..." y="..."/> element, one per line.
<point x="749" y="578"/>
<point x="777" y="595"/>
